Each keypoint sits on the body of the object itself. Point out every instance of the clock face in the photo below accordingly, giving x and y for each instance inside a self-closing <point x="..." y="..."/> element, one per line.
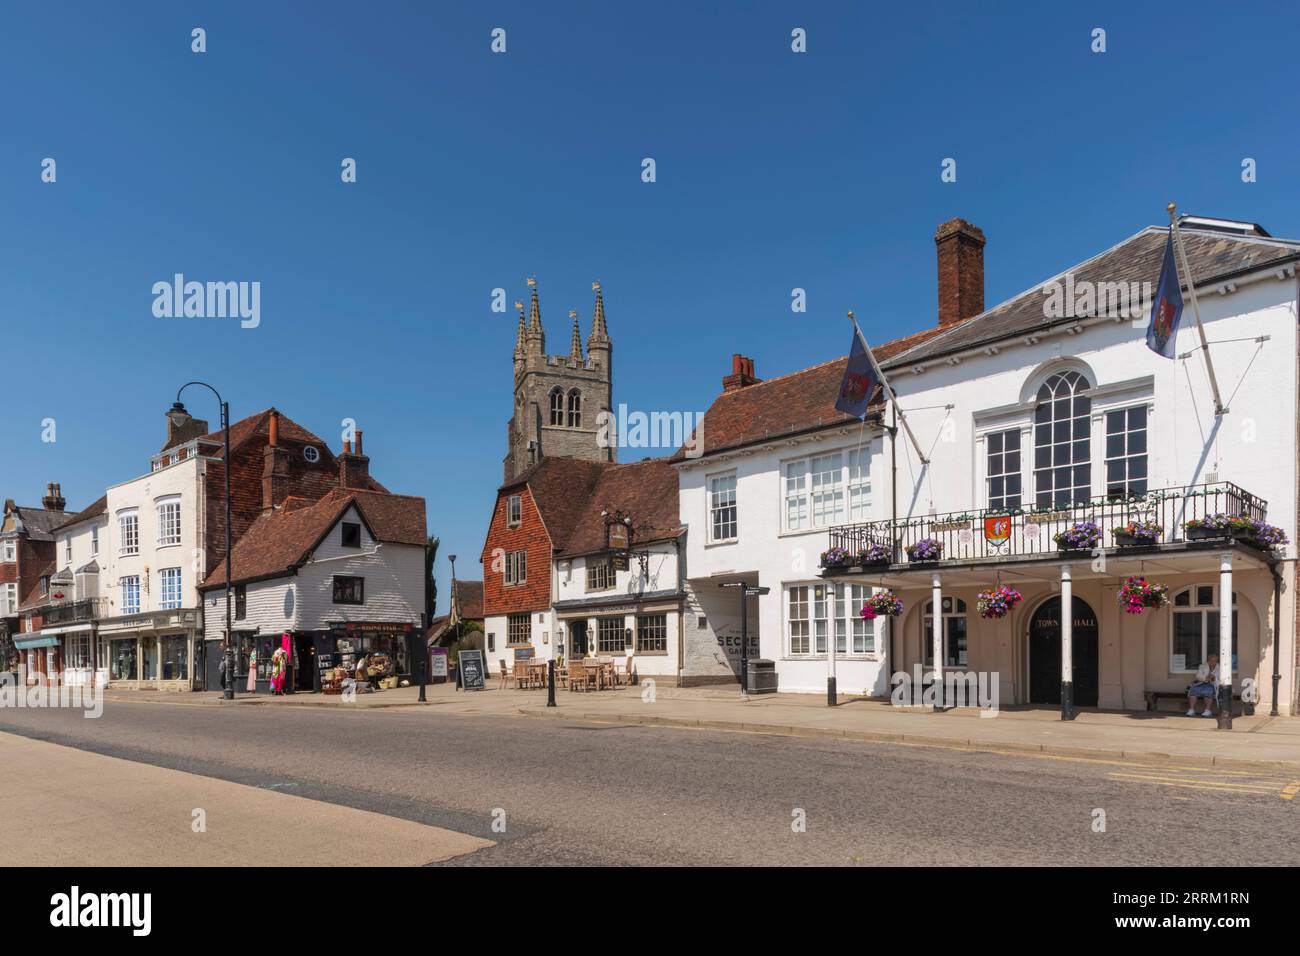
<point x="311" y="453"/>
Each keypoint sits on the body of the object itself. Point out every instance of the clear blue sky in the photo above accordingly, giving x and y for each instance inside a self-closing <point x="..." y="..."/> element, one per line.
<point x="775" y="170"/>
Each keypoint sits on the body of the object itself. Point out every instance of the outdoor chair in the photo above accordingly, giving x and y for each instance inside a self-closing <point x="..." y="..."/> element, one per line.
<point x="505" y="676"/>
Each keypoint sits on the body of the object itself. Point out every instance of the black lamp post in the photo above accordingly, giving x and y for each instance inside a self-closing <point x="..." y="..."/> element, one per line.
<point x="179" y="418"/>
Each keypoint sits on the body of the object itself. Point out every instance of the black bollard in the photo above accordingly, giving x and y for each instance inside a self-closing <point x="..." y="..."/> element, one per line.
<point x="424" y="666"/>
<point x="550" y="683"/>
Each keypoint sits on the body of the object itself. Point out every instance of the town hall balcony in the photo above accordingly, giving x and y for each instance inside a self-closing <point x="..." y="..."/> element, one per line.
<point x="1194" y="517"/>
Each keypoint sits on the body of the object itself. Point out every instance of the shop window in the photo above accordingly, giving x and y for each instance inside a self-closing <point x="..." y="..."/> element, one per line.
<point x="1194" y="629"/>
<point x="519" y="629"/>
<point x="351" y="534"/>
<point x="954" y="632"/>
<point x="175" y="658"/>
<point x="652" y="634"/>
<point x="815" y="610"/>
<point x="610" y="638"/>
<point x="349" y="589"/>
<point x="121" y="665"/>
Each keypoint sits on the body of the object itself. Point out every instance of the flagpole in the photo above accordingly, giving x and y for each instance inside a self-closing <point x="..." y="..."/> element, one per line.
<point x="1196" y="311"/>
<point x="902" y="419"/>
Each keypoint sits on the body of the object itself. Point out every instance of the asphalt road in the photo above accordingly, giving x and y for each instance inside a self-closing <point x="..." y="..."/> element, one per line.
<point x="574" y="792"/>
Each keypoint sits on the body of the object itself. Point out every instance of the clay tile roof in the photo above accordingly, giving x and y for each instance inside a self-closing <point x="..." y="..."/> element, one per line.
<point x="644" y="490"/>
<point x="469" y="600"/>
<point x="797" y="402"/>
<point x="561" y="488"/>
<point x="98" y="508"/>
<point x="282" y="540"/>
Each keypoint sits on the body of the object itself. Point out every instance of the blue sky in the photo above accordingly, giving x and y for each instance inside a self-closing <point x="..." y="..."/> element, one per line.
<point x="475" y="171"/>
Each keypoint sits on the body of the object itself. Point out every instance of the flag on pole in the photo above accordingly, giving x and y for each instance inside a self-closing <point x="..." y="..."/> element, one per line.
<point x="860" y="378"/>
<point x="1167" y="309"/>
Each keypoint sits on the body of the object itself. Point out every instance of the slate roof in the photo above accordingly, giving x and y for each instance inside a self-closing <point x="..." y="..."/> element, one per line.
<point x="40" y="523"/>
<point x="1212" y="256"/>
<point x="804" y="401"/>
<point x="98" y="508"/>
<point x="281" y="541"/>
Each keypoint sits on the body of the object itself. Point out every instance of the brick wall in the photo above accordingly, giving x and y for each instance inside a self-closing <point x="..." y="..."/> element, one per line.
<point x="530" y="536"/>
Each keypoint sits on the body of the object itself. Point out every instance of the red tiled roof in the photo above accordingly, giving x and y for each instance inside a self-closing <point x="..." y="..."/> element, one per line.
<point x="469" y="600"/>
<point x="793" y="403"/>
<point x="561" y="488"/>
<point x="644" y="490"/>
<point x="283" y="539"/>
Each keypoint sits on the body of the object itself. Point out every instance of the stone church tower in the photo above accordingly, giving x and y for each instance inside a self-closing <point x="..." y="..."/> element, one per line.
<point x="559" y="399"/>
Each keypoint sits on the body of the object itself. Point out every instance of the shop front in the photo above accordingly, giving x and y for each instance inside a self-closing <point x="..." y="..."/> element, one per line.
<point x="150" y="651"/>
<point x="387" y="649"/>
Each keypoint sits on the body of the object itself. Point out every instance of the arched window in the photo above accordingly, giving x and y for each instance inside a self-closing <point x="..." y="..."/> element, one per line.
<point x="557" y="406"/>
<point x="1194" y="628"/>
<point x="1062" y="442"/>
<point x="575" y="409"/>
<point x="954" y="633"/>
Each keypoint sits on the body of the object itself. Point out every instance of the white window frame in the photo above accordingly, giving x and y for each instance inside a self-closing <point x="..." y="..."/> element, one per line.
<point x="960" y="610"/>
<point x="516" y="570"/>
<point x="128" y="537"/>
<point x="712" y="505"/>
<point x="125" y="590"/>
<point x="514" y="511"/>
<point x="163" y="511"/>
<point x="171" y="591"/>
<point x="94" y="540"/>
<point x="1127" y="456"/>
<point x="826" y="610"/>
<point x="858" y="483"/>
<point x="10" y="552"/>
<point x="1021" y="433"/>
<point x="1206" y="612"/>
<point x="67" y="548"/>
<point x="9" y="598"/>
<point x="839" y="476"/>
<point x="514" y="626"/>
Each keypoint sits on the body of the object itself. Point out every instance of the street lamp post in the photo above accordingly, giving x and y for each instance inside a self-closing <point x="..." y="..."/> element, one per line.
<point x="179" y="418"/>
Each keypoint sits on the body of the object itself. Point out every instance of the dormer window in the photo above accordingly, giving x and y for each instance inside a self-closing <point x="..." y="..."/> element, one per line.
<point x="351" y="534"/>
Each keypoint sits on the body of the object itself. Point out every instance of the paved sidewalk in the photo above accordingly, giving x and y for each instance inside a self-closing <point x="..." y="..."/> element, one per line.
<point x="105" y="811"/>
<point x="1259" y="742"/>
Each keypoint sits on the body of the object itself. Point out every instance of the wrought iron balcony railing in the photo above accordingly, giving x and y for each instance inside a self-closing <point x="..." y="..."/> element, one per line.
<point x="71" y="612"/>
<point x="967" y="536"/>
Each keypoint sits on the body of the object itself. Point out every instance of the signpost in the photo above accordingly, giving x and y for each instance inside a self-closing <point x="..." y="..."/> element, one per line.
<point x="471" y="670"/>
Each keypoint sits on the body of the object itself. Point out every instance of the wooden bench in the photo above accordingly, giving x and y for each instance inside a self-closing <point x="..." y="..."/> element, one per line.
<point x="1153" y="698"/>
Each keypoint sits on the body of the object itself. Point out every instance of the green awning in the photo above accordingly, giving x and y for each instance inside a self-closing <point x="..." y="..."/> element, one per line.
<point x="33" y="641"/>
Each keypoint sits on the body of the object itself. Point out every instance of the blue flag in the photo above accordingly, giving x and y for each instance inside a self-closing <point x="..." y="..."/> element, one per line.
<point x="1167" y="309"/>
<point x="860" y="378"/>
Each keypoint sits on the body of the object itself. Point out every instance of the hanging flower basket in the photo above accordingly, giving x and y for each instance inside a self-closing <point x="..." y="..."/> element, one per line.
<point x="1137" y="594"/>
<point x="1138" y="534"/>
<point x="836" y="558"/>
<point x="1080" y="536"/>
<point x="876" y="554"/>
<point x="927" y="549"/>
<point x="998" y="602"/>
<point x="882" y="604"/>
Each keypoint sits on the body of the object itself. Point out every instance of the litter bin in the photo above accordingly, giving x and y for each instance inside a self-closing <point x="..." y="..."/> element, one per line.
<point x="762" y="677"/>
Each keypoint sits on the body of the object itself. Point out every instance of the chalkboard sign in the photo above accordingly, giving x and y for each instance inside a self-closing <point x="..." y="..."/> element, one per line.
<point x="471" y="669"/>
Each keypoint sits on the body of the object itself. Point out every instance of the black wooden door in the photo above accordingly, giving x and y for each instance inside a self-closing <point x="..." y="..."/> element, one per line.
<point x="1045" y="654"/>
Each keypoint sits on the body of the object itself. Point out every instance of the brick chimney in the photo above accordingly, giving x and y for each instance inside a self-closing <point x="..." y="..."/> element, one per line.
<point x="53" y="500"/>
<point x="354" y="467"/>
<point x="960" y="247"/>
<point x="275" y="467"/>
<point x="742" y="374"/>
<point x="194" y="428"/>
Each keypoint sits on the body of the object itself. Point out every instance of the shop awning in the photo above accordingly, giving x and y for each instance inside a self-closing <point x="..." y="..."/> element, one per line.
<point x="32" y="641"/>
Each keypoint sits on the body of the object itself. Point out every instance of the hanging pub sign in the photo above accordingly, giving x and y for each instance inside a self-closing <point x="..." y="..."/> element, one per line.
<point x="618" y="536"/>
<point x="619" y="562"/>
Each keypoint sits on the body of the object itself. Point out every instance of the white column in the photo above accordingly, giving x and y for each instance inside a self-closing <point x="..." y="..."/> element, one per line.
<point x="1225" y="636"/>
<point x="936" y="637"/>
<point x="1067" y="643"/>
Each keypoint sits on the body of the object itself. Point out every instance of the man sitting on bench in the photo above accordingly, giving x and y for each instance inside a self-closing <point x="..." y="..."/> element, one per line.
<point x="1205" y="687"/>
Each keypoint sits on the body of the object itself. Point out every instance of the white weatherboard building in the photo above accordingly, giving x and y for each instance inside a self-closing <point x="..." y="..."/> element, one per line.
<point x="1044" y="422"/>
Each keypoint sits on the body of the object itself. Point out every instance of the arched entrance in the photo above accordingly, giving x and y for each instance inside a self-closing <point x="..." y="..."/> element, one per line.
<point x="1045" y="654"/>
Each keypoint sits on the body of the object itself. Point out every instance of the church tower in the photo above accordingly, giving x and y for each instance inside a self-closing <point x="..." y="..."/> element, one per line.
<point x="562" y="403"/>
